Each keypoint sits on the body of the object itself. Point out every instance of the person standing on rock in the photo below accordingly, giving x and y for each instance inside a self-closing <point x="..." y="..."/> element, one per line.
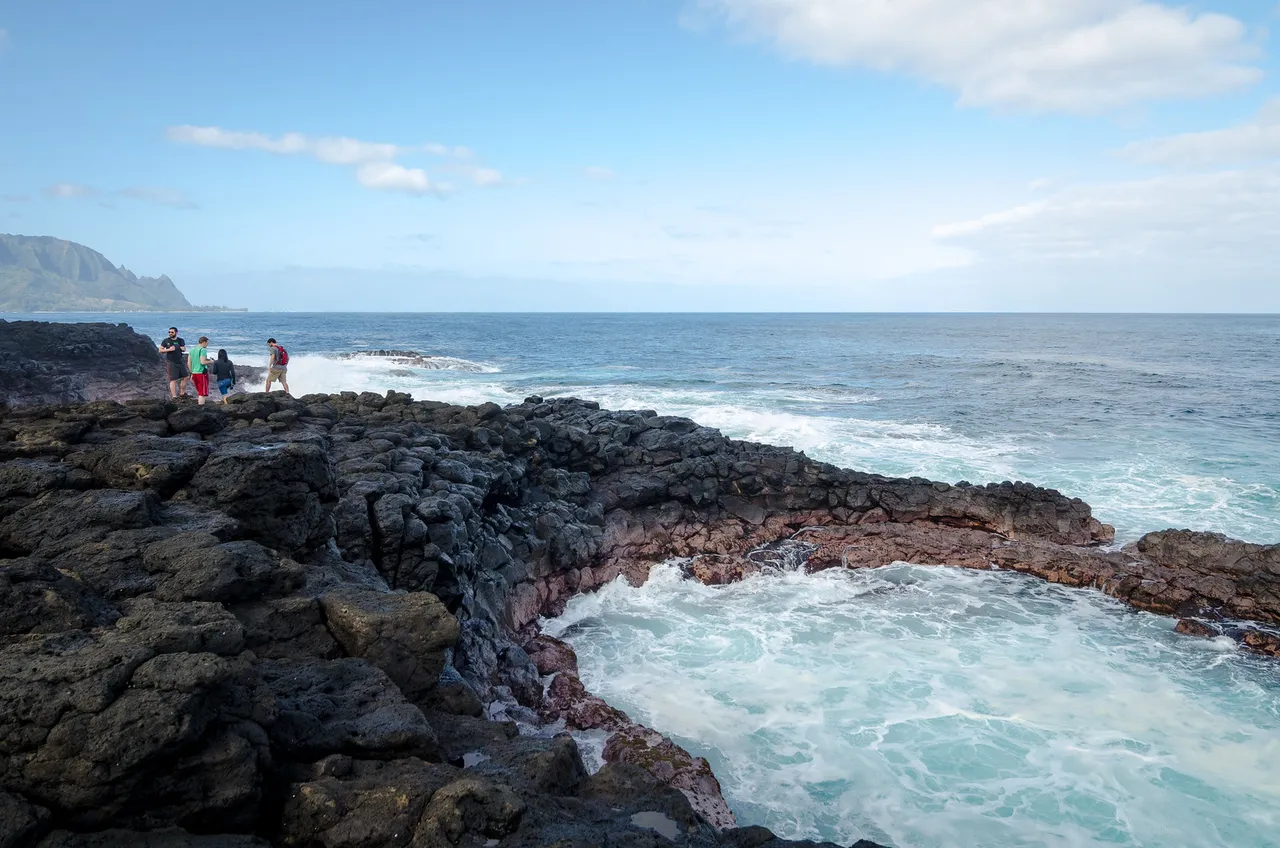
<point x="174" y="350"/>
<point x="278" y="365"/>
<point x="200" y="362"/>
<point x="224" y="371"/>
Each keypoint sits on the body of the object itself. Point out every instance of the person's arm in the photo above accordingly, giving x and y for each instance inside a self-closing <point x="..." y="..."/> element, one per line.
<point x="204" y="358"/>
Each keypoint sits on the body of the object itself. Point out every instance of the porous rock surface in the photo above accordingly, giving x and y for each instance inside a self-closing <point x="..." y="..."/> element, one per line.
<point x="279" y="622"/>
<point x="69" y="363"/>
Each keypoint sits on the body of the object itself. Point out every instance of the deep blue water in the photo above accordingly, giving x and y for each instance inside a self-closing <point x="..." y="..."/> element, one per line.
<point x="1155" y="420"/>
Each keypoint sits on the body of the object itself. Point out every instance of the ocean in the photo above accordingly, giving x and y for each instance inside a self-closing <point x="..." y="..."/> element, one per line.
<point x="926" y="708"/>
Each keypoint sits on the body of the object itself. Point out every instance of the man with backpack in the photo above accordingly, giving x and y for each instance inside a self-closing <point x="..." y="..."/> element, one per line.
<point x="278" y="367"/>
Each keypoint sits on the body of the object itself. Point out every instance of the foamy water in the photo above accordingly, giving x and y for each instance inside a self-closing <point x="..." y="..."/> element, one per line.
<point x="943" y="708"/>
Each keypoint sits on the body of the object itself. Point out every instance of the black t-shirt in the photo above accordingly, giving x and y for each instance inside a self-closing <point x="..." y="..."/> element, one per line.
<point x="223" y="369"/>
<point x="175" y="354"/>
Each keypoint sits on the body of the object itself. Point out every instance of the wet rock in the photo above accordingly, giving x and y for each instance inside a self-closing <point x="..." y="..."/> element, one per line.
<point x="670" y="764"/>
<point x="550" y="655"/>
<point x="632" y="789"/>
<point x="405" y="635"/>
<point x="1191" y="627"/>
<point x="569" y="700"/>
<point x="1262" y="641"/>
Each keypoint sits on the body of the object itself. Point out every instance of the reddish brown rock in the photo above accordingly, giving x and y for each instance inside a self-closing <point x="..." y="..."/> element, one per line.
<point x="551" y="655"/>
<point x="1262" y="641"/>
<point x="1191" y="627"/>
<point x="641" y="746"/>
<point x="568" y="699"/>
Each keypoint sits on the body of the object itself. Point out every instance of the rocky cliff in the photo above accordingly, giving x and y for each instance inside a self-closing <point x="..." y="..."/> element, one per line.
<point x="314" y="621"/>
<point x="43" y="363"/>
<point x="45" y="274"/>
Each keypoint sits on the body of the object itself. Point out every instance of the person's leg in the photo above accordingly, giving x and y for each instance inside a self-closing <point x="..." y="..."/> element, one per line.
<point x="285" y="383"/>
<point x="173" y="389"/>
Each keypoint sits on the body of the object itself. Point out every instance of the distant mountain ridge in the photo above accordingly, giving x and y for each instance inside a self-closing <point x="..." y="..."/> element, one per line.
<point x="46" y="274"/>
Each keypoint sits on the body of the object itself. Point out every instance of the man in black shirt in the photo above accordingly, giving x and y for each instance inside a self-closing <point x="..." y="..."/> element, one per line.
<point x="175" y="362"/>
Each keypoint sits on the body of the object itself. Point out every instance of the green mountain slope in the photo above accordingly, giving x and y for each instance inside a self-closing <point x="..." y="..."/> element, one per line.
<point x="45" y="274"/>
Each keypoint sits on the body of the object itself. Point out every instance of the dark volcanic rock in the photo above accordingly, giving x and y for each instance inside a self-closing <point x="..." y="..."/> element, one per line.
<point x="67" y="363"/>
<point x="285" y="619"/>
<point x="405" y="635"/>
<point x="280" y="493"/>
<point x="341" y="707"/>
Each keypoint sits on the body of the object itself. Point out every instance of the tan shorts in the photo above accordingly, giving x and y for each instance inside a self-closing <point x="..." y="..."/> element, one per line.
<point x="276" y="375"/>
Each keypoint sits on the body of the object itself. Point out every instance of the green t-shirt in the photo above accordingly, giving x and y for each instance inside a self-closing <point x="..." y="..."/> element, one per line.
<point x="194" y="357"/>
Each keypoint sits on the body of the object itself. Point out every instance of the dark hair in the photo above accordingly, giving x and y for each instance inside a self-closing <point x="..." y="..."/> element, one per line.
<point x="203" y="339"/>
<point x="222" y="354"/>
<point x="271" y="341"/>
<point x="175" y="329"/>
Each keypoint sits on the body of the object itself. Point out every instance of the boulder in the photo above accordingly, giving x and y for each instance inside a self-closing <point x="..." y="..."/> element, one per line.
<point x="405" y="635"/>
<point x="670" y="764"/>
<point x="280" y="493"/>
<point x="35" y="597"/>
<point x="21" y="823"/>
<point x="344" y="706"/>
<point x="90" y="725"/>
<point x="362" y="804"/>
<point x="143" y="462"/>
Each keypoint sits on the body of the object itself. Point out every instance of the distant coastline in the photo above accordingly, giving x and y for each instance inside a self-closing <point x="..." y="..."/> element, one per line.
<point x="182" y="311"/>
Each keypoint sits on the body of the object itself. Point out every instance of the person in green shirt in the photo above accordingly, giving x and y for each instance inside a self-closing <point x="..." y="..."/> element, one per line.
<point x="198" y="359"/>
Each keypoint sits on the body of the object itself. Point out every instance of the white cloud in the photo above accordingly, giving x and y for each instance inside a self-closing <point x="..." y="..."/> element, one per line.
<point x="599" y="172"/>
<point x="1036" y="55"/>
<point x="1222" y="222"/>
<point x="336" y="150"/>
<point x="159" y="196"/>
<point x="1253" y="141"/>
<point x="147" y="194"/>
<point x="485" y="176"/>
<point x="388" y="176"/>
<point x="67" y="190"/>
<point x="374" y="162"/>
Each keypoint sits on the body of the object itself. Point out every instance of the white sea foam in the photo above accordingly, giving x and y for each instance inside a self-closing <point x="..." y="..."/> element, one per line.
<point x="943" y="708"/>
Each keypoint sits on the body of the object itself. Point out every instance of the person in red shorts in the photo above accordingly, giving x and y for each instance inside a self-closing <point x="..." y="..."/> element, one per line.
<point x="200" y="362"/>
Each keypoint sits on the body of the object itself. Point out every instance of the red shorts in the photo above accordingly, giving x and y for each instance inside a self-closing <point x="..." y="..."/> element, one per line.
<point x="201" y="382"/>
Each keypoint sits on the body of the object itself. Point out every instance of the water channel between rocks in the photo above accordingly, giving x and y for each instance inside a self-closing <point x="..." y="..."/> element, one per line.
<point x="941" y="708"/>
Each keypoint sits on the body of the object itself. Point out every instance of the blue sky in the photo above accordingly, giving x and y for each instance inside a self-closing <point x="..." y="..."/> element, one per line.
<point x="656" y="154"/>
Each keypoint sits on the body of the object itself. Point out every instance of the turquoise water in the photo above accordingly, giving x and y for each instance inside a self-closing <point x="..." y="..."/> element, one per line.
<point x="944" y="708"/>
<point x="1155" y="420"/>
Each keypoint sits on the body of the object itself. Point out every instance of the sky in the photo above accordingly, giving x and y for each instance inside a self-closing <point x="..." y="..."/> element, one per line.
<point x="656" y="155"/>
